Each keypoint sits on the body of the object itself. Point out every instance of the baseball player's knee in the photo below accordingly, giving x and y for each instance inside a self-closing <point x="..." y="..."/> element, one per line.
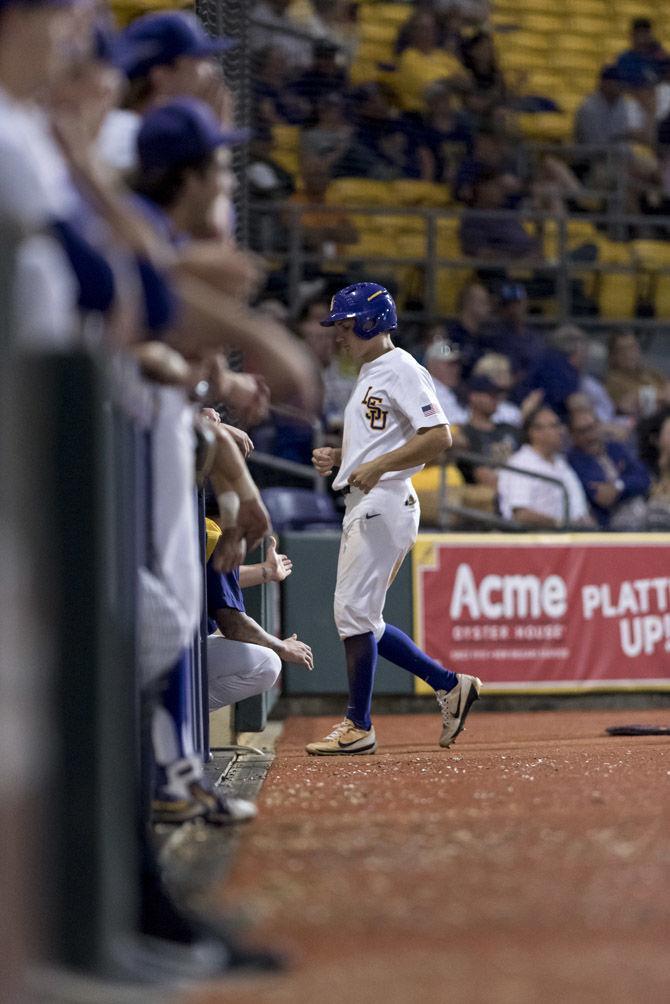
<point x="351" y="622"/>
<point x="269" y="670"/>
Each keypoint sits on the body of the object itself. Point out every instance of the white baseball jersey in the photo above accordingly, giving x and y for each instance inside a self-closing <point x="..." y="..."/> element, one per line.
<point x="393" y="398"/>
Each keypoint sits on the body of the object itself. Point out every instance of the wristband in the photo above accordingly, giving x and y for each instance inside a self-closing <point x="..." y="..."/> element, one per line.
<point x="229" y="507"/>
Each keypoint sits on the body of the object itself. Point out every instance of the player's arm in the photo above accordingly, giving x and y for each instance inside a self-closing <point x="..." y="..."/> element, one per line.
<point x="425" y="446"/>
<point x="275" y="568"/>
<point x="238" y="626"/>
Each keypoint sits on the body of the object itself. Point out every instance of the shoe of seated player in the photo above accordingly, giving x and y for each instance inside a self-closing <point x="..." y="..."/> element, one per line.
<point x="345" y="740"/>
<point x="220" y="808"/>
<point x="168" y="808"/>
<point x="455" y="705"/>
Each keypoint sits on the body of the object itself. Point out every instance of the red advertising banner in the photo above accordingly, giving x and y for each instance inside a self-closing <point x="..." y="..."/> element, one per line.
<point x="541" y="612"/>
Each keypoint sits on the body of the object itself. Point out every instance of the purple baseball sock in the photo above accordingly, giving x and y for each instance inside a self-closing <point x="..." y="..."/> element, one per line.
<point x="399" y="649"/>
<point x="361" y="653"/>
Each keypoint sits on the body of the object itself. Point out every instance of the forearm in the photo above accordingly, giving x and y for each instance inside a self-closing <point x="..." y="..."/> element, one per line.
<point x="254" y="575"/>
<point x="529" y="517"/>
<point x="238" y="626"/>
<point x="230" y="473"/>
<point x="421" y="449"/>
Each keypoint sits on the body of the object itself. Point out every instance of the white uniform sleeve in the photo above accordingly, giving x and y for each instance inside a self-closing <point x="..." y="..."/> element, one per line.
<point x="414" y="395"/>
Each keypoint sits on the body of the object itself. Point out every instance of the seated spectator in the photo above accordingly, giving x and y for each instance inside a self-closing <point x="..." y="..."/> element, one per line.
<point x="469" y="331"/>
<point x="657" y="516"/>
<point x="488" y="90"/>
<point x="443" y="361"/>
<point x="242" y="659"/>
<point x="498" y="369"/>
<point x="512" y="336"/>
<point x="645" y="53"/>
<point x="333" y="21"/>
<point x="496" y="441"/>
<point x="337" y="382"/>
<point x="614" y="481"/>
<point x="608" y="114"/>
<point x="275" y="26"/>
<point x="491" y="152"/>
<point x="490" y="236"/>
<point x="332" y="133"/>
<point x="535" y="503"/>
<point x="323" y="230"/>
<point x="274" y="101"/>
<point x="422" y="61"/>
<point x="637" y="390"/>
<point x="441" y="130"/>
<point x="553" y="372"/>
<point x="323" y="77"/>
<point x="397" y="153"/>
<point x="268" y="182"/>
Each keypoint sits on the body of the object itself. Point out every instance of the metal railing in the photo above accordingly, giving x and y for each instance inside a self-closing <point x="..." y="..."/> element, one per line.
<point x="444" y="506"/>
<point x="561" y="267"/>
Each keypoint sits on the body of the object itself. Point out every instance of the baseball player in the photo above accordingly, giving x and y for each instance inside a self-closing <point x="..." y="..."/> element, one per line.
<point x="393" y="425"/>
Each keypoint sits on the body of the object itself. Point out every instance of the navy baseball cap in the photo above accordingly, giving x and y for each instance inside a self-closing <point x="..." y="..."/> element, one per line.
<point x="482" y="385"/>
<point x="182" y="132"/>
<point x="512" y="292"/>
<point x="157" y="39"/>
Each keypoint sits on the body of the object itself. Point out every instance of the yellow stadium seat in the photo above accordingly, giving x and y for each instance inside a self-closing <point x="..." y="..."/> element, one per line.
<point x="545" y="126"/>
<point x="653" y="261"/>
<point x="412" y="192"/>
<point x="617" y="287"/>
<point x="545" y="23"/>
<point x="393" y="13"/>
<point x="360" y="192"/>
<point x="285" y="147"/>
<point x="523" y="59"/>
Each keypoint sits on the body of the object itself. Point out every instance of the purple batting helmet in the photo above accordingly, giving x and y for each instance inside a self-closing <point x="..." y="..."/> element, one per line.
<point x="370" y="305"/>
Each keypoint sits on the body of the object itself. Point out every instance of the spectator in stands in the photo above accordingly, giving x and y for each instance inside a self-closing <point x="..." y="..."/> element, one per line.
<point x="333" y="21"/>
<point x="397" y="153"/>
<point x="332" y="133"/>
<point x="490" y="236"/>
<point x="615" y="482"/>
<point x="441" y="131"/>
<point x="274" y="100"/>
<point x="491" y="151"/>
<point x="513" y="337"/>
<point x="470" y="329"/>
<point x="608" y="114"/>
<point x="336" y="381"/>
<point x="645" y="52"/>
<point x="422" y="61"/>
<point x="170" y="56"/>
<point x="535" y="503"/>
<point x="273" y="25"/>
<point x="499" y="369"/>
<point x="442" y="359"/>
<point x="324" y="76"/>
<point x="657" y="516"/>
<point x="323" y="230"/>
<point x="488" y="90"/>
<point x="636" y="389"/>
<point x="242" y="659"/>
<point x="494" y="440"/>
<point x="268" y="182"/>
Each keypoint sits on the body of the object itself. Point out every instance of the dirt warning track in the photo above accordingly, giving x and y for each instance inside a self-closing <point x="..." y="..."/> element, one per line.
<point x="529" y="863"/>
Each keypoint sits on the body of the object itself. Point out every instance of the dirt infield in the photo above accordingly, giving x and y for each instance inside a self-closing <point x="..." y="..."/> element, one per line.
<point x="530" y="863"/>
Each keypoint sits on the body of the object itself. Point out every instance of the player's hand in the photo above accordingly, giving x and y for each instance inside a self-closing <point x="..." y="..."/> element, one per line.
<point x="296" y="652"/>
<point x="242" y="440"/>
<point x="366" y="476"/>
<point x="279" y="565"/>
<point x="324" y="459"/>
<point x="253" y="521"/>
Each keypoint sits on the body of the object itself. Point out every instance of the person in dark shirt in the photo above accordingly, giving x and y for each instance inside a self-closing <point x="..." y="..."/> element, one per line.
<point x="512" y="336"/>
<point x="323" y="77"/>
<point x="441" y="130"/>
<point x="494" y="441"/>
<point x="615" y="482"/>
<point x="489" y="235"/>
<point x="468" y="331"/>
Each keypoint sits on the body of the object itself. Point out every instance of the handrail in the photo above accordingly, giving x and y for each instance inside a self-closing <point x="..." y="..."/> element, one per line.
<point x="268" y="460"/>
<point x="480" y="458"/>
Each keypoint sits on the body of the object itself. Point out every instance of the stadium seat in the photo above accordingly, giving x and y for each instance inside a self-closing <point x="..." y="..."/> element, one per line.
<point x="285" y="147"/>
<point x="348" y="192"/>
<point x="652" y="258"/>
<point x="300" y="509"/>
<point x="616" y="288"/>
<point x="412" y="192"/>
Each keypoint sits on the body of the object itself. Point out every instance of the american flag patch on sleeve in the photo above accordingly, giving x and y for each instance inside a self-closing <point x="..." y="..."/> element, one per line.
<point x="429" y="409"/>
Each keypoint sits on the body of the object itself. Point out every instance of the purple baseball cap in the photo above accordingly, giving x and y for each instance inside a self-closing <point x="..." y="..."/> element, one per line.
<point x="182" y="132"/>
<point x="157" y="39"/>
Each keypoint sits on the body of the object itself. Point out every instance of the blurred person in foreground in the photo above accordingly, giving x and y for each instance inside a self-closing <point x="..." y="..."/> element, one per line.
<point x="657" y="516"/>
<point x="169" y="55"/>
<point x="538" y="504"/>
<point x="615" y="482"/>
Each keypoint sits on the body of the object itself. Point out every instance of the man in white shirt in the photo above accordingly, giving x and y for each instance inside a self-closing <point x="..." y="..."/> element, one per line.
<point x="393" y="425"/>
<point x="533" y="502"/>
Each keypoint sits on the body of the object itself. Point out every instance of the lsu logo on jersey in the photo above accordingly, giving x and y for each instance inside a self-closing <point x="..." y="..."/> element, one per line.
<point x="375" y="414"/>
